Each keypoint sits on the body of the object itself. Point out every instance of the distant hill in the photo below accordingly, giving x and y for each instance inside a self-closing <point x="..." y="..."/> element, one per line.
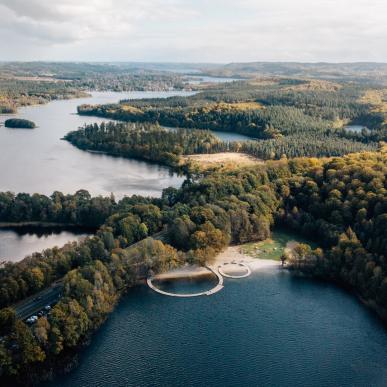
<point x="361" y="71"/>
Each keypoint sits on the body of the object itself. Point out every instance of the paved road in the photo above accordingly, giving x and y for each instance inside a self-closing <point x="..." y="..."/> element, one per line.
<point x="35" y="303"/>
<point x="32" y="305"/>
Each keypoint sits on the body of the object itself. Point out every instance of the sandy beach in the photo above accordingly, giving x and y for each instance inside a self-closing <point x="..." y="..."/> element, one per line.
<point x="231" y="254"/>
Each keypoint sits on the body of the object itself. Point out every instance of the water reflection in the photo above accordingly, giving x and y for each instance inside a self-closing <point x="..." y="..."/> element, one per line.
<point x="38" y="161"/>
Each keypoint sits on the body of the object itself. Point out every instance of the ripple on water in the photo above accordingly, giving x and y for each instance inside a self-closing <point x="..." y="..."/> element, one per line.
<point x="187" y="285"/>
<point x="269" y="329"/>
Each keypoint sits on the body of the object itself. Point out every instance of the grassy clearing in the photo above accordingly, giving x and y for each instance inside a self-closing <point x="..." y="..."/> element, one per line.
<point x="273" y="248"/>
<point x="226" y="159"/>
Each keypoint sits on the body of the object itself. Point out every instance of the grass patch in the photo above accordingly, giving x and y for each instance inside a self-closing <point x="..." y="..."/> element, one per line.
<point x="273" y="248"/>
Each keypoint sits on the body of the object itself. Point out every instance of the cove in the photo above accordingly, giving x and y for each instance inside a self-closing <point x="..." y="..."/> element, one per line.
<point x="17" y="243"/>
<point x="38" y="161"/>
<point x="267" y="329"/>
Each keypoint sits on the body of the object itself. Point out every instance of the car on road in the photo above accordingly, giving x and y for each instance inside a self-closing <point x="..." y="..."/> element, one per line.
<point x="32" y="319"/>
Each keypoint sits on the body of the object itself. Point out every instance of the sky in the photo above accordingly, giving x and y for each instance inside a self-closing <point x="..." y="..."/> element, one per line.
<point x="220" y="31"/>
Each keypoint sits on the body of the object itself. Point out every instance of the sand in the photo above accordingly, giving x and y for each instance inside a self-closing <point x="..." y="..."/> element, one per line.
<point x="231" y="254"/>
<point x="225" y="158"/>
<point x="184" y="272"/>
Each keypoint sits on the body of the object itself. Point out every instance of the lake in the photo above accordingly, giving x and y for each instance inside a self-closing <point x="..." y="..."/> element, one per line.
<point x="199" y="79"/>
<point x="269" y="329"/>
<point x="354" y="128"/>
<point x="39" y="161"/>
<point x="17" y="243"/>
<point x="224" y="136"/>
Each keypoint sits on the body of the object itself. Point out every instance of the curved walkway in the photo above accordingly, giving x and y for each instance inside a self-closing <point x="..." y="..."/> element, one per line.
<point x="214" y="290"/>
<point x="248" y="271"/>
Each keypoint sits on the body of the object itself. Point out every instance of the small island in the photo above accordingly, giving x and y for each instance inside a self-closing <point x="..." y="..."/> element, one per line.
<point x="19" y="123"/>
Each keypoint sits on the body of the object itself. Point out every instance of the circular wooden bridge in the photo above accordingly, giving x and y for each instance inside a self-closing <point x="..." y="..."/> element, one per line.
<point x="214" y="290"/>
<point x="217" y="271"/>
<point x="235" y="276"/>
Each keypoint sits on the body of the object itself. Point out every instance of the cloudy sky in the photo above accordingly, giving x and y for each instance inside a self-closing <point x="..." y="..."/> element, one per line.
<point x="194" y="30"/>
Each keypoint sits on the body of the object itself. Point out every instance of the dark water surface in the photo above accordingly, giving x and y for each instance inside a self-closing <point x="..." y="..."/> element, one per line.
<point x="15" y="244"/>
<point x="224" y="136"/>
<point x="38" y="161"/>
<point x="187" y="285"/>
<point x="267" y="330"/>
<point x="354" y="128"/>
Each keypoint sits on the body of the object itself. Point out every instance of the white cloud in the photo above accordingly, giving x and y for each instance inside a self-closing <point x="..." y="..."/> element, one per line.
<point x="194" y="30"/>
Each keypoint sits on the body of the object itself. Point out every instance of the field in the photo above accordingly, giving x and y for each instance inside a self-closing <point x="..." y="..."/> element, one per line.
<point x="223" y="159"/>
<point x="274" y="247"/>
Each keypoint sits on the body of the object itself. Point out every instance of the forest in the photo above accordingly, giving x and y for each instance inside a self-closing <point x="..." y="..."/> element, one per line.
<point x="144" y="141"/>
<point x="23" y="84"/>
<point x="318" y="179"/>
<point x="19" y="123"/>
<point x="361" y="72"/>
<point x="79" y="209"/>
<point x="16" y="92"/>
<point x="166" y="146"/>
<point x="339" y="201"/>
<point x="290" y="110"/>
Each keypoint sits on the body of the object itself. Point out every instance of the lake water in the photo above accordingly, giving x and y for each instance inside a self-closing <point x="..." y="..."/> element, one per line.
<point x="228" y="136"/>
<point x="15" y="244"/>
<point x="224" y="136"/>
<point x="269" y="329"/>
<point x="199" y="79"/>
<point x="38" y="161"/>
<point x="354" y="128"/>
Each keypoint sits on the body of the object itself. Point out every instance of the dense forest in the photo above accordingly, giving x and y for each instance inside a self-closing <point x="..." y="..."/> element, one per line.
<point x="343" y="204"/>
<point x="361" y="72"/>
<point x="339" y="201"/>
<point x="144" y="141"/>
<point x="155" y="143"/>
<point x="79" y="209"/>
<point x="294" y="111"/>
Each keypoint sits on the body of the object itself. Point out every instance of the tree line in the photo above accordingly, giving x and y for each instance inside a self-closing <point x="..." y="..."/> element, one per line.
<point x="290" y="106"/>
<point x="154" y="143"/>
<point x="79" y="209"/>
<point x="341" y="202"/>
<point x="143" y="141"/>
<point x="197" y="221"/>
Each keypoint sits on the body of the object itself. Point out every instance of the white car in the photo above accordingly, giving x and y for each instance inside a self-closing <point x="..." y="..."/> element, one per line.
<point x="32" y="319"/>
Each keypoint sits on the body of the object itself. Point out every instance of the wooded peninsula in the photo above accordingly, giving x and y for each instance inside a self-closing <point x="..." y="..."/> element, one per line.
<point x="318" y="179"/>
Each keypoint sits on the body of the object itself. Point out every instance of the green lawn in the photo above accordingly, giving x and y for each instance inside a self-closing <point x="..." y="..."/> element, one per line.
<point x="274" y="247"/>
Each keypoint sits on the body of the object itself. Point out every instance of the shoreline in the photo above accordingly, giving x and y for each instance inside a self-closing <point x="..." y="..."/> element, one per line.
<point x="230" y="254"/>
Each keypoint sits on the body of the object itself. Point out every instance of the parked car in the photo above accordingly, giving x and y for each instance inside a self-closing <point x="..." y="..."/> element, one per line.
<point x="32" y="319"/>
